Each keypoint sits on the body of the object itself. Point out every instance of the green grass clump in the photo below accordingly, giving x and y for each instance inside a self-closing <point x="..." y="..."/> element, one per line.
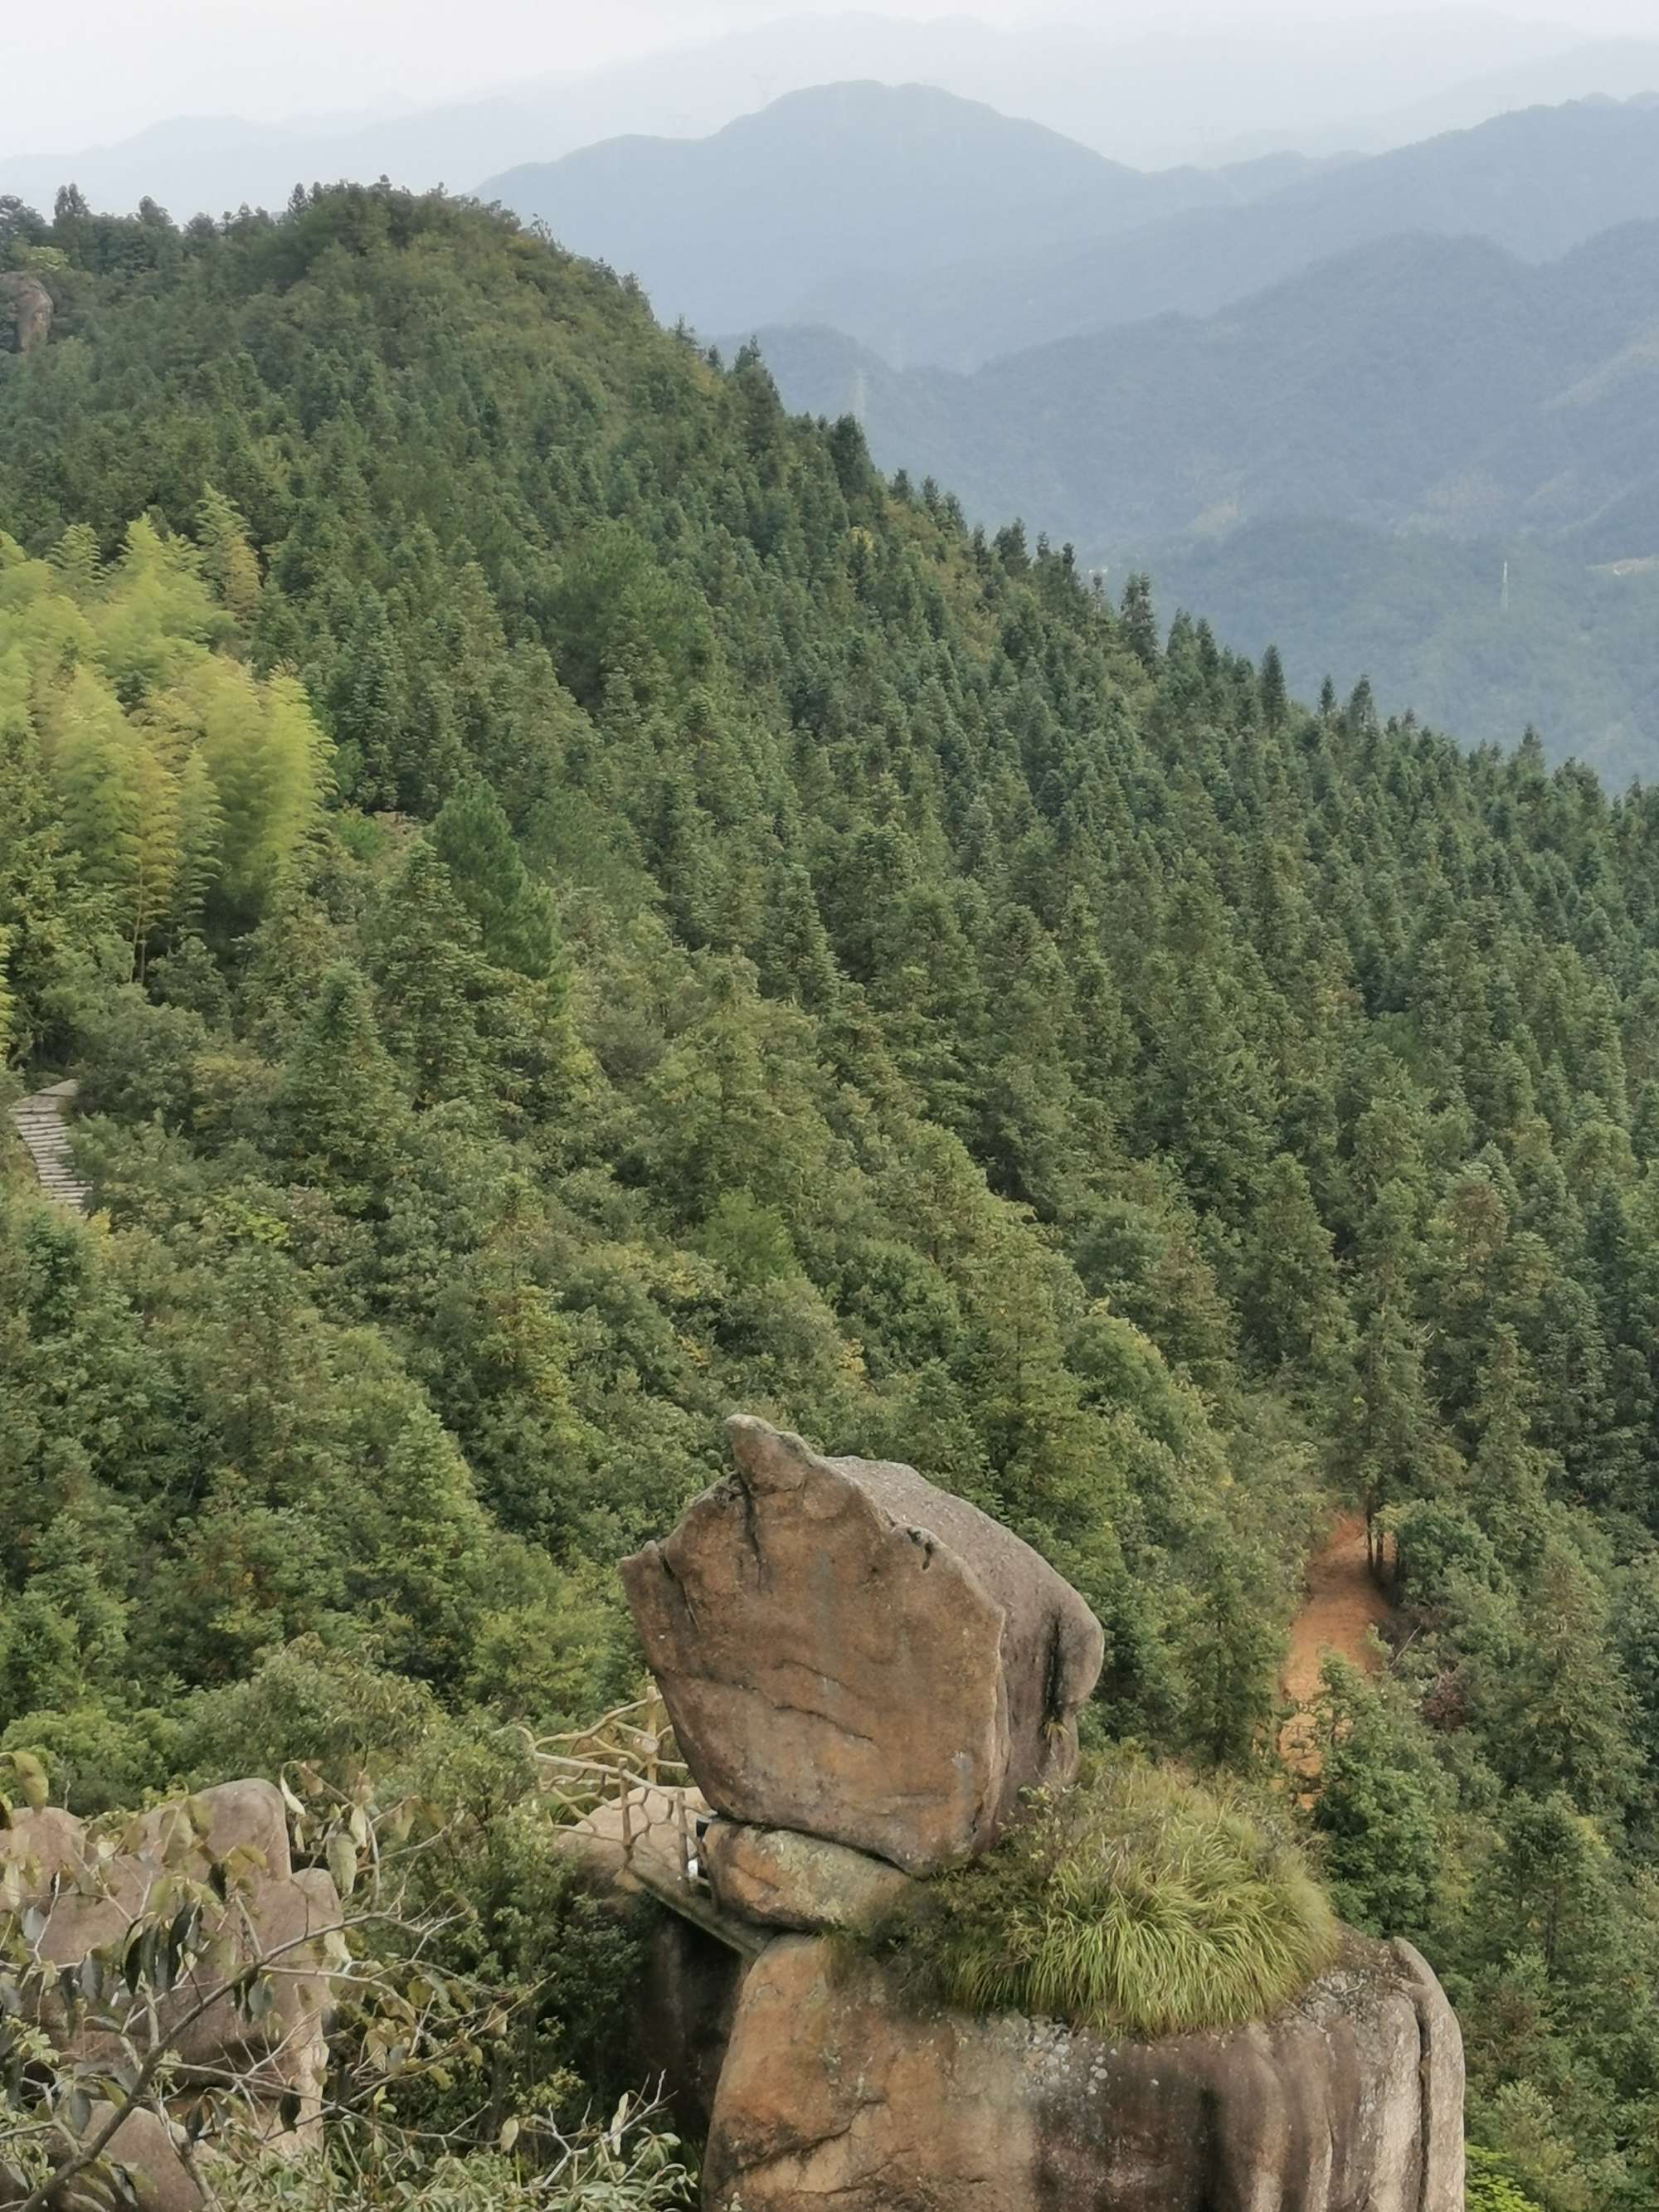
<point x="1138" y="1903"/>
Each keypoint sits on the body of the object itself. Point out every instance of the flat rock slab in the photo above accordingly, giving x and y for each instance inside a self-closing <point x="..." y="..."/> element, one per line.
<point x="779" y="1879"/>
<point x="847" y="1651"/>
<point x="837" y="2091"/>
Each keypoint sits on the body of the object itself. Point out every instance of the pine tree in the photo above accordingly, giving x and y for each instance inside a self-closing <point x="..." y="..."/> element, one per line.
<point x="1138" y="622"/>
<point x="339" y="1102"/>
<point x="514" y="912"/>
<point x="1275" y="694"/>
<point x="1292" y="1298"/>
<point x="431" y="979"/>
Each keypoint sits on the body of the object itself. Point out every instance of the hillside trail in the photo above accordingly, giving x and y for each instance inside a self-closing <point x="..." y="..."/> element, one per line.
<point x="1343" y="1604"/>
<point x="39" y="1122"/>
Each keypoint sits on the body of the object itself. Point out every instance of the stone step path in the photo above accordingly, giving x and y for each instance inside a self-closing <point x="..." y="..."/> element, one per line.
<point x="40" y="1121"/>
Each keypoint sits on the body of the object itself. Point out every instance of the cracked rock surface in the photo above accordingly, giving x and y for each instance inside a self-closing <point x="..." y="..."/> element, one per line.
<point x="849" y="1651"/>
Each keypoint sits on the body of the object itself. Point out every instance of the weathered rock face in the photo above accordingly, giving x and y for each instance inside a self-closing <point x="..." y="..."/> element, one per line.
<point x="778" y="1878"/>
<point x="91" y="1901"/>
<point x="846" y="1651"/>
<point x="25" y="312"/>
<point x="833" y="2092"/>
<point x="863" y="1673"/>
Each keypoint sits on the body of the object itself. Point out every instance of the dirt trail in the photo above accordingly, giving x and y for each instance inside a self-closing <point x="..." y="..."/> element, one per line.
<point x="1342" y="1606"/>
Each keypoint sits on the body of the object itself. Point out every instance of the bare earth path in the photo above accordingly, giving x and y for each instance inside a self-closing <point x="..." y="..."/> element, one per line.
<point x="1342" y="1606"/>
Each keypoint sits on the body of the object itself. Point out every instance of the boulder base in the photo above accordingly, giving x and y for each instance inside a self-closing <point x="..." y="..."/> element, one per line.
<point x="834" y="2092"/>
<point x="847" y="1651"/>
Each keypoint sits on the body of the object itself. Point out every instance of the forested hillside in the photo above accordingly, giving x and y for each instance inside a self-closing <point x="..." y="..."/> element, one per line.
<point x="1344" y="463"/>
<point x="1504" y="399"/>
<point x="576" y="904"/>
<point x="1483" y="636"/>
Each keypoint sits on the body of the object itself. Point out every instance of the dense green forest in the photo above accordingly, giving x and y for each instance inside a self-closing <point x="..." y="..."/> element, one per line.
<point x="1353" y="496"/>
<point x="1483" y="636"/>
<point x="575" y="904"/>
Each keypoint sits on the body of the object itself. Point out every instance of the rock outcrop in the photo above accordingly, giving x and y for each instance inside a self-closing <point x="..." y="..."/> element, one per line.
<point x="845" y="1650"/>
<point x="90" y="1898"/>
<point x="835" y="2091"/>
<point x="25" y="312"/>
<point x="863" y="1673"/>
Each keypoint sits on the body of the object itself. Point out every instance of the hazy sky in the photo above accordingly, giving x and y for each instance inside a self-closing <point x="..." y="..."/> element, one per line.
<point x="83" y="71"/>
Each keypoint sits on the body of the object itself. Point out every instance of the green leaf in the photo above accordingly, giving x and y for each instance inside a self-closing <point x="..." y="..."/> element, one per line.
<point x="31" y="1778"/>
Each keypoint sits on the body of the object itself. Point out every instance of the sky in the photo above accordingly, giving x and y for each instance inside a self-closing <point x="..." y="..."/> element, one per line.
<point x="83" y="71"/>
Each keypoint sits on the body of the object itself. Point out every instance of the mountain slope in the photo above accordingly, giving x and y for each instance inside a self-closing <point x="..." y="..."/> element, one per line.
<point x="1482" y="636"/>
<point x="1344" y="465"/>
<point x="1419" y="381"/>
<point x="1536" y="183"/>
<point x="736" y="227"/>
<point x="575" y="905"/>
<point x="1606" y="69"/>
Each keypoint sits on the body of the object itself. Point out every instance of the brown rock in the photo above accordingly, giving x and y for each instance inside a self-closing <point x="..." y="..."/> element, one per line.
<point x="91" y="1894"/>
<point x="833" y="2091"/>
<point x="41" y="1844"/>
<point x="845" y="1650"/>
<point x="142" y="2147"/>
<point x="641" y="1839"/>
<point x="782" y="1880"/>
<point x="26" y="304"/>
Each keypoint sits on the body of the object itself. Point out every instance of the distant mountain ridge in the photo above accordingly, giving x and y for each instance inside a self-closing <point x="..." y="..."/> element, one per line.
<point x="1425" y="460"/>
<point x="1537" y="183"/>
<point x="865" y="176"/>
<point x="1152" y="101"/>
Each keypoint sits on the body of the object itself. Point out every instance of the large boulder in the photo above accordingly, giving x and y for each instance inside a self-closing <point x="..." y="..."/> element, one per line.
<point x="836" y="2090"/>
<point x="92" y="1886"/>
<point x="25" y="311"/>
<point x="845" y="1650"/>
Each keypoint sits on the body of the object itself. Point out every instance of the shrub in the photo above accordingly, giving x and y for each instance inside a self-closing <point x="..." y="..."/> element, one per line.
<point x="1490" y="2188"/>
<point x="1138" y="1903"/>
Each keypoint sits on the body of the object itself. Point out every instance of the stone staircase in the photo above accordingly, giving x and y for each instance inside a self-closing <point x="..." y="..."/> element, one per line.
<point x="40" y="1121"/>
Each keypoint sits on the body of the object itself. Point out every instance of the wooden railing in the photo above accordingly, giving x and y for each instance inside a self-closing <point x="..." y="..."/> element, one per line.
<point x="623" y="1782"/>
<point x="626" y="1758"/>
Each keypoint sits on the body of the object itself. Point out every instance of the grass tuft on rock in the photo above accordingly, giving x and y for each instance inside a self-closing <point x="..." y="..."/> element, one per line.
<point x="1139" y="1904"/>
